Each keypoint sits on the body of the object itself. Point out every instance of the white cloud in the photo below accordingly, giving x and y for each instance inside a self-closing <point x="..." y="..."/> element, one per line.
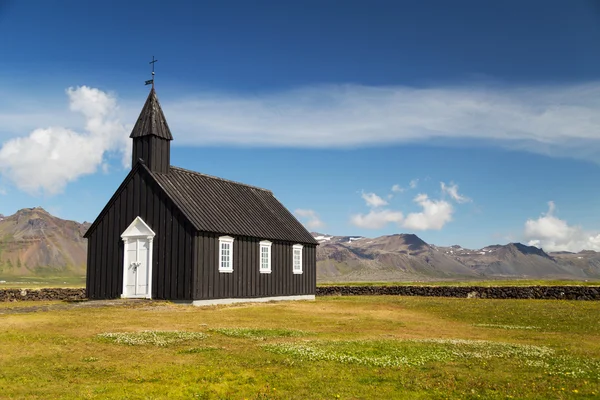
<point x="376" y="219"/>
<point x="554" y="234"/>
<point x="397" y="188"/>
<point x="49" y="158"/>
<point x="452" y="191"/>
<point x="373" y="200"/>
<point x="542" y="119"/>
<point x="557" y="120"/>
<point x="310" y="217"/>
<point x="2" y="191"/>
<point x="435" y="214"/>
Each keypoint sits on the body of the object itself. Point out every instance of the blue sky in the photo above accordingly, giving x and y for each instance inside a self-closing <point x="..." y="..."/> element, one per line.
<point x="491" y="111"/>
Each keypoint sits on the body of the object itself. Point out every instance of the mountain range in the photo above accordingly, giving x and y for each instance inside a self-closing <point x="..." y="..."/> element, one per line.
<point x="407" y="257"/>
<point x="34" y="242"/>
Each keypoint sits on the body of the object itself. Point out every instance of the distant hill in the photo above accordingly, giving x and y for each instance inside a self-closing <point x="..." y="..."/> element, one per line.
<point x="33" y="242"/>
<point x="407" y="257"/>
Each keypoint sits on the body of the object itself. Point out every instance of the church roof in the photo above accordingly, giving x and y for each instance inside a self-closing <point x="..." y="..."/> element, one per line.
<point x="218" y="205"/>
<point x="209" y="203"/>
<point x="152" y="121"/>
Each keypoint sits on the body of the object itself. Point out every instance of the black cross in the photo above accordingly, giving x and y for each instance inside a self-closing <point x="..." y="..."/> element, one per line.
<point x="151" y="81"/>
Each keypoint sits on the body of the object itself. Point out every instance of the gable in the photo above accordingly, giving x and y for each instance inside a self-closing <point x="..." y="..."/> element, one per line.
<point x="138" y="169"/>
<point x="138" y="228"/>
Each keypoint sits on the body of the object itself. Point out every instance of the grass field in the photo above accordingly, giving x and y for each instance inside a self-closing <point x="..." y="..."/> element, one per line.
<point x="378" y="347"/>
<point x="35" y="282"/>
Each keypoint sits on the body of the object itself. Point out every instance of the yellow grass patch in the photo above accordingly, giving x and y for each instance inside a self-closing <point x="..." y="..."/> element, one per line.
<point x="356" y="347"/>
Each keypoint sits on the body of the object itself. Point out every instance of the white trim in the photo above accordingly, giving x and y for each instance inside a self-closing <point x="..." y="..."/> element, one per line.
<point x="226" y="240"/>
<point x="124" y="266"/>
<point x="137" y="230"/>
<point x="212" y="302"/>
<point x="264" y="244"/>
<point x="294" y="248"/>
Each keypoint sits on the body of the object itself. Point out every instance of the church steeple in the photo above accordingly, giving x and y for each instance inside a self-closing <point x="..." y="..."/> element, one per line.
<point x="152" y="137"/>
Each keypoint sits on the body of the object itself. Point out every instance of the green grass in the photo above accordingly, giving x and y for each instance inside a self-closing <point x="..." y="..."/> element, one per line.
<point x="379" y="347"/>
<point x="258" y="334"/>
<point x="37" y="282"/>
<point x="490" y="283"/>
<point x="566" y="317"/>
<point x="154" y="338"/>
<point x="421" y="352"/>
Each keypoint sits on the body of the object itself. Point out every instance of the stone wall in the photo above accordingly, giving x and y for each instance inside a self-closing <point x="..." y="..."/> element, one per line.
<point x="41" y="294"/>
<point x="497" y="292"/>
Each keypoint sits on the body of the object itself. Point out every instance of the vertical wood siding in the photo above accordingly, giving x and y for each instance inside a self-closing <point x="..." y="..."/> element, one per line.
<point x="154" y="151"/>
<point x="173" y="244"/>
<point x="246" y="280"/>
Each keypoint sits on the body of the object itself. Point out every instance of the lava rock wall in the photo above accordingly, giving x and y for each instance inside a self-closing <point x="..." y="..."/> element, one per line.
<point x="42" y="294"/>
<point x="483" y="292"/>
<point x="494" y="292"/>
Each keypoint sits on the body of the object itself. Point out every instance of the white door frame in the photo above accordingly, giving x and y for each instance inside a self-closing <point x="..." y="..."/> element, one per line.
<point x="138" y="229"/>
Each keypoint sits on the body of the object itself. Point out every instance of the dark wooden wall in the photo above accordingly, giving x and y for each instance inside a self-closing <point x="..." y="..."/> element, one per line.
<point x="246" y="280"/>
<point x="155" y="151"/>
<point x="172" y="249"/>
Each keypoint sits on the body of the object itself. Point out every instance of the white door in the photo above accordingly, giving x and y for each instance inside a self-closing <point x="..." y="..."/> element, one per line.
<point x="137" y="264"/>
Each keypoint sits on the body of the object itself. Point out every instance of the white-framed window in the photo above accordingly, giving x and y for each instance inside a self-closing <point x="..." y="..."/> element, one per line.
<point x="297" y="258"/>
<point x="225" y="254"/>
<point x="265" y="257"/>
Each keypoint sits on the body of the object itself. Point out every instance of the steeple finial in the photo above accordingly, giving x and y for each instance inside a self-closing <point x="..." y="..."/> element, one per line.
<point x="151" y="81"/>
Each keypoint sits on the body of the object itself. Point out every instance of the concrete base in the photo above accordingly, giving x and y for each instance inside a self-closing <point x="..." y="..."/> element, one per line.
<point x="212" y="302"/>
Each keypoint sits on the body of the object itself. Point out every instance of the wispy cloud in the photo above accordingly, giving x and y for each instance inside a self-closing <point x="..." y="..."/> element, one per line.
<point x="452" y="191"/>
<point x="310" y="218"/>
<point x="554" y="234"/>
<point x="557" y="120"/>
<point x="397" y="188"/>
<point x="546" y="119"/>
<point x="48" y="158"/>
<point x="373" y="200"/>
<point x="376" y="219"/>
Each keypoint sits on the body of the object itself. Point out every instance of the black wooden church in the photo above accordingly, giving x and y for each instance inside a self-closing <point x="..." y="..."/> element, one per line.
<point x="174" y="234"/>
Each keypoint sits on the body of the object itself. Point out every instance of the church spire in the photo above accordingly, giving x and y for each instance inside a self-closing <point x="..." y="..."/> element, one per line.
<point x="151" y="136"/>
<point x="152" y="121"/>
